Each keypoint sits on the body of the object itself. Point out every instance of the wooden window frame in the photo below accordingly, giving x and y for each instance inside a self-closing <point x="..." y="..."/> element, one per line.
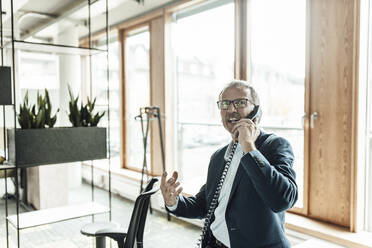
<point x="123" y="35"/>
<point x="162" y="17"/>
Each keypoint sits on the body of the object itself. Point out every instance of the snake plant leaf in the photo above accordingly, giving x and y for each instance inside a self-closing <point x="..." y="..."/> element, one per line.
<point x="97" y="117"/>
<point x="47" y="106"/>
<point x="40" y="119"/>
<point x="83" y="115"/>
<point x="26" y="99"/>
<point x="70" y="93"/>
<point x="37" y="115"/>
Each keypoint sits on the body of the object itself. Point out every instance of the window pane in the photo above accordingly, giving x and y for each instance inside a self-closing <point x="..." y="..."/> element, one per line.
<point x="38" y="71"/>
<point x="99" y="90"/>
<point x="204" y="45"/>
<point x="278" y="71"/>
<point x="137" y="83"/>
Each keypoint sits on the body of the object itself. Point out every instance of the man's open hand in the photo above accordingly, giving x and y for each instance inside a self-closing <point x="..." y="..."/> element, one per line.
<point x="169" y="188"/>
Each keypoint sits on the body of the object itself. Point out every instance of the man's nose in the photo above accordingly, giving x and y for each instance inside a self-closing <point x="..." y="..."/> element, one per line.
<point x="231" y="108"/>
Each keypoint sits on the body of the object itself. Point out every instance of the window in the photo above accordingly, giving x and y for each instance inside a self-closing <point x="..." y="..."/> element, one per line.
<point x="204" y="50"/>
<point x="99" y="91"/>
<point x="39" y="71"/>
<point x="277" y="56"/>
<point x="137" y="94"/>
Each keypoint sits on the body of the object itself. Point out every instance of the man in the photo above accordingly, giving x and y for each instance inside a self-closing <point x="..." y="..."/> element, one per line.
<point x="259" y="186"/>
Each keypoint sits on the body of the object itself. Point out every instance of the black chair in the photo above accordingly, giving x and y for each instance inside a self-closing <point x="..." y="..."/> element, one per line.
<point x="100" y="230"/>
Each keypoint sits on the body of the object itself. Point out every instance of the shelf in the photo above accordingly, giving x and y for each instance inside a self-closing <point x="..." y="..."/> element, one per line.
<point x="6" y="167"/>
<point x="53" y="215"/>
<point x="56" y="145"/>
<point x="54" y="48"/>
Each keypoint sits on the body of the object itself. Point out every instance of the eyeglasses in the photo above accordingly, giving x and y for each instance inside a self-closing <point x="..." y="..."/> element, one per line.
<point x="238" y="103"/>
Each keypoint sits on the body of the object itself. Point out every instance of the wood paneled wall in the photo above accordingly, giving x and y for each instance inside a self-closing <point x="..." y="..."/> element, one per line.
<point x="333" y="62"/>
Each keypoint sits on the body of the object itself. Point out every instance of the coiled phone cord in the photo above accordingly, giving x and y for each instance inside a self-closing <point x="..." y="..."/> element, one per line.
<point x="216" y="195"/>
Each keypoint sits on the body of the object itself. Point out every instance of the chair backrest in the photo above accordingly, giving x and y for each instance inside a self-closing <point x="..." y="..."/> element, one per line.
<point x="140" y="207"/>
<point x="142" y="222"/>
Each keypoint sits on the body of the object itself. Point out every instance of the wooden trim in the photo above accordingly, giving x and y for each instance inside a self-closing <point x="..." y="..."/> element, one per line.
<point x="151" y="127"/>
<point x="330" y="232"/>
<point x="140" y="170"/>
<point x="354" y="124"/>
<point x="296" y="210"/>
<point x="169" y="91"/>
<point x="248" y="67"/>
<point x="240" y="65"/>
<point x="137" y="26"/>
<point x="307" y="110"/>
<point x="157" y="95"/>
<point x="140" y="20"/>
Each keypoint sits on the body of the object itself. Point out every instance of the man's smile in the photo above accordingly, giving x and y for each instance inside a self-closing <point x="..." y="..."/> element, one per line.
<point x="233" y="118"/>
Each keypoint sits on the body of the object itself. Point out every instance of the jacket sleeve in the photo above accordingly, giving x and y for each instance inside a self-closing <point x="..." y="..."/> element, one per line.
<point x="191" y="207"/>
<point x="194" y="206"/>
<point x="274" y="181"/>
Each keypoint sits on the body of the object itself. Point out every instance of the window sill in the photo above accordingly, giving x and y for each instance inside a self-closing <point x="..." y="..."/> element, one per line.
<point x="116" y="170"/>
<point x="329" y="232"/>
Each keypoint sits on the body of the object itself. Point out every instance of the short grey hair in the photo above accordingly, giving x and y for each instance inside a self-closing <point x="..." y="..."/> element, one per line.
<point x="240" y="84"/>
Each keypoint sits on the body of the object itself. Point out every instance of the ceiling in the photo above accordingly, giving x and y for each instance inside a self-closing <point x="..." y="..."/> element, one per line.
<point x="45" y="19"/>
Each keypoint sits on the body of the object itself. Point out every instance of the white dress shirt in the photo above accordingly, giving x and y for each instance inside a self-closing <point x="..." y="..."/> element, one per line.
<point x="219" y="226"/>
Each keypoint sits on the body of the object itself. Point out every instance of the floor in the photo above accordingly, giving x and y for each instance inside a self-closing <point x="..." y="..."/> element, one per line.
<point x="159" y="232"/>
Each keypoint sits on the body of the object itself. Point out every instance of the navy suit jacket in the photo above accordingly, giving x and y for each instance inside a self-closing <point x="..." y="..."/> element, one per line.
<point x="264" y="187"/>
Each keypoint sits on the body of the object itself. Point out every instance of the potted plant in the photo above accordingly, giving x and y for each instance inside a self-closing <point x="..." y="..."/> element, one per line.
<point x="38" y="142"/>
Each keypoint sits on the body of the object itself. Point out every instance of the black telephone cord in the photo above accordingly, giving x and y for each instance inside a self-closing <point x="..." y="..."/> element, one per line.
<point x="216" y="195"/>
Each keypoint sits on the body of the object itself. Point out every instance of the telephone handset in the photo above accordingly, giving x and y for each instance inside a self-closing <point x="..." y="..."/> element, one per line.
<point x="214" y="202"/>
<point x="254" y="112"/>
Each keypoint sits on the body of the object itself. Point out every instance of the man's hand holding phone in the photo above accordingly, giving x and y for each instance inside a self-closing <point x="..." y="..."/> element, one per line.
<point x="169" y="188"/>
<point x="246" y="132"/>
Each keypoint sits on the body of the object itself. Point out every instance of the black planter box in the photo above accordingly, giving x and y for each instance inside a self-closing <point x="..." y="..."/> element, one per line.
<point x="5" y="86"/>
<point x="33" y="147"/>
